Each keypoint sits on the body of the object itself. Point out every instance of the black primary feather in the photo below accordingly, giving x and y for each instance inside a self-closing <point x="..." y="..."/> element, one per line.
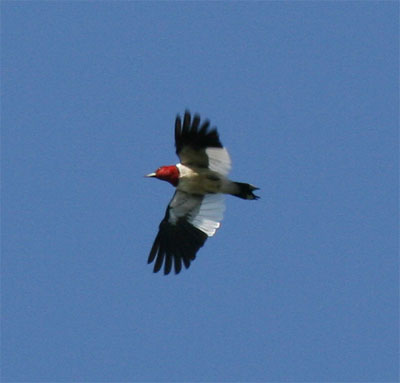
<point x="190" y="135"/>
<point x="175" y="243"/>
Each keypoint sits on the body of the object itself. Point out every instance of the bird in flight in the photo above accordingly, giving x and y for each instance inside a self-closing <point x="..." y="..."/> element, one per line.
<point x="197" y="207"/>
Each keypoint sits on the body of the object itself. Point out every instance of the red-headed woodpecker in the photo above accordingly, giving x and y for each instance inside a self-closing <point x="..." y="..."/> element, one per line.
<point x="197" y="207"/>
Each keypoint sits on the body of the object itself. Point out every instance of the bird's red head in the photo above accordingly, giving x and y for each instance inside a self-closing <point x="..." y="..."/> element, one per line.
<point x="167" y="173"/>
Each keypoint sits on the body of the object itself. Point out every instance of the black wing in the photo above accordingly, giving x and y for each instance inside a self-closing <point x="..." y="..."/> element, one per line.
<point x="192" y="140"/>
<point x="178" y="239"/>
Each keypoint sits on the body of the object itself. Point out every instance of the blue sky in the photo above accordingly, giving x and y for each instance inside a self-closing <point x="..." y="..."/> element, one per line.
<point x="301" y="285"/>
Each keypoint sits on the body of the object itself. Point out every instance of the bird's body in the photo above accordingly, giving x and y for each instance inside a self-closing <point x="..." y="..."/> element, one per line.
<point x="201" y="180"/>
<point x="196" y="210"/>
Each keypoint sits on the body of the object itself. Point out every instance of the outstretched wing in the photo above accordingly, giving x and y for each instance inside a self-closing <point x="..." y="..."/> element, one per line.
<point x="189" y="220"/>
<point x="197" y="146"/>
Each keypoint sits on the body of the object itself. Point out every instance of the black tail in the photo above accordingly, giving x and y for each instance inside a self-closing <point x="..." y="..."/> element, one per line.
<point x="245" y="191"/>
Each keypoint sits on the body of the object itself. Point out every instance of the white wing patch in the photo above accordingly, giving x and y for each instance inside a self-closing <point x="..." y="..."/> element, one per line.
<point x="182" y="204"/>
<point x="203" y="212"/>
<point x="219" y="160"/>
<point x="209" y="214"/>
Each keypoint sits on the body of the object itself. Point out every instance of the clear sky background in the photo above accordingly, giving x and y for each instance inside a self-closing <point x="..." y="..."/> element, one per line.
<point x="301" y="285"/>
